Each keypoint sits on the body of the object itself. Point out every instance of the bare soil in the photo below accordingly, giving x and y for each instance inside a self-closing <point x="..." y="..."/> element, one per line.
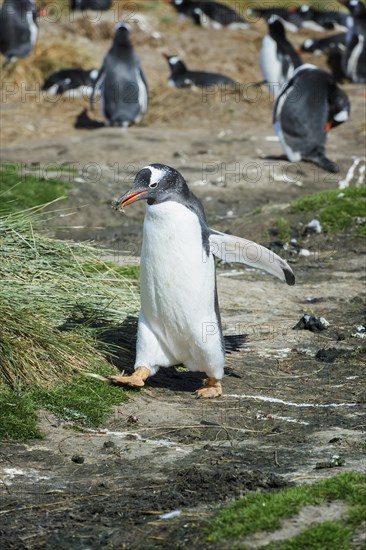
<point x="283" y="410"/>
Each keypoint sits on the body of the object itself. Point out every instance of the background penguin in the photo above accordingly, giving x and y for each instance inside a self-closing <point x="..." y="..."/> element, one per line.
<point x="181" y="77"/>
<point x="18" y="29"/>
<point x="317" y="20"/>
<point x="101" y="5"/>
<point x="77" y="81"/>
<point x="309" y="105"/>
<point x="324" y="45"/>
<point x="179" y="320"/>
<point x="123" y="87"/>
<point x="278" y="58"/>
<point x="354" y="58"/>
<point x="289" y="17"/>
<point x="209" y="13"/>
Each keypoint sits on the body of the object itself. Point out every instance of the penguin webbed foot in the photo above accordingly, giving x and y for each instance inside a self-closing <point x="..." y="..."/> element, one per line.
<point x="135" y="380"/>
<point x="211" y="388"/>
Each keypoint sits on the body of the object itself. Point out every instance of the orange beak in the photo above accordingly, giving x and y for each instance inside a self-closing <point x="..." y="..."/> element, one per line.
<point x="128" y="199"/>
<point x="328" y="126"/>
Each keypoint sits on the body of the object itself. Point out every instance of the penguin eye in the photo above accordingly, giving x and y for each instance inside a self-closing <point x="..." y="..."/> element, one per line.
<point x="153" y="185"/>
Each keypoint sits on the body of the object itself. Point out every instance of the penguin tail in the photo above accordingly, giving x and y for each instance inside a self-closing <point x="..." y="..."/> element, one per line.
<point x="234" y="342"/>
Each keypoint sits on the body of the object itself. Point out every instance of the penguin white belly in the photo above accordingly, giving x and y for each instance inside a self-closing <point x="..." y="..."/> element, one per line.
<point x="33" y="29"/>
<point x="270" y="65"/>
<point x="178" y="292"/>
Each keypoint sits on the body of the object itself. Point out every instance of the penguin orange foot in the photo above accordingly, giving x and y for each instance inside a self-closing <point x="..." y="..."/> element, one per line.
<point x="211" y="388"/>
<point x="136" y="380"/>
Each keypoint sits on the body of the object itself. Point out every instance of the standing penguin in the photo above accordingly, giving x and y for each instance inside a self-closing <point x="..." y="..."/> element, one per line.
<point x="278" y="57"/>
<point x="181" y="77"/>
<point x="18" y="29"/>
<point x="308" y="106"/>
<point x="179" y="320"/>
<point x="354" y="58"/>
<point x="123" y="87"/>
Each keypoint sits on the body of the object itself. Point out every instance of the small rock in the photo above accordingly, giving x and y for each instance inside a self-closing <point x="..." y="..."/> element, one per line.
<point x="171" y="515"/>
<point x="328" y="355"/>
<point x="335" y="462"/>
<point x="304" y="252"/>
<point x="108" y="445"/>
<point x="78" y="459"/>
<point x="341" y="337"/>
<point x="314" y="226"/>
<point x="309" y="322"/>
<point x="132" y="419"/>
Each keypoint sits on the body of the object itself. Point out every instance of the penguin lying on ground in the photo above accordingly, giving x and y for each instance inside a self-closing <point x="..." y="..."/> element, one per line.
<point x="308" y="106"/>
<point x="317" y="20"/>
<point x="76" y="81"/>
<point x="209" y="14"/>
<point x="179" y="321"/>
<point x="101" y="5"/>
<point x="289" y="17"/>
<point x="181" y="77"/>
<point x="278" y="58"/>
<point x="325" y="45"/>
<point x="354" y="58"/>
<point x="18" y="29"/>
<point x="122" y="84"/>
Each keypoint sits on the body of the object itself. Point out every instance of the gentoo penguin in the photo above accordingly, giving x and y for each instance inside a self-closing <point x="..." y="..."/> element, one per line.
<point x="100" y="5"/>
<point x="278" y="58"/>
<point x="354" y="58"/>
<point x="179" y="321"/>
<point x="122" y="84"/>
<point x="317" y="20"/>
<point x="289" y="17"/>
<point x="325" y="45"/>
<point x="308" y="106"/>
<point x="18" y="29"/>
<point x="181" y="77"/>
<point x="75" y="82"/>
<point x="209" y="14"/>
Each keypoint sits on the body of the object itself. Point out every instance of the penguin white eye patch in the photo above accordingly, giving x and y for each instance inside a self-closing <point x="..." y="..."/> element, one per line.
<point x="153" y="185"/>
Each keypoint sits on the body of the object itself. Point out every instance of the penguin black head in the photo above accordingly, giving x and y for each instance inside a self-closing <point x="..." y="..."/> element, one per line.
<point x="357" y="8"/>
<point x="276" y="28"/>
<point x="122" y="35"/>
<point x="176" y="64"/>
<point x="155" y="183"/>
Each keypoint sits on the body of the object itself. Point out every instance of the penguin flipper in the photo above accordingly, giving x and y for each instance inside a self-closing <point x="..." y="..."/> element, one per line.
<point x="230" y="248"/>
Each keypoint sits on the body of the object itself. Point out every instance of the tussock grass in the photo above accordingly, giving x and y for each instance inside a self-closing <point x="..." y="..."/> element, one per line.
<point x="28" y="74"/>
<point x="335" y="209"/>
<point x="265" y="511"/>
<point x="54" y="314"/>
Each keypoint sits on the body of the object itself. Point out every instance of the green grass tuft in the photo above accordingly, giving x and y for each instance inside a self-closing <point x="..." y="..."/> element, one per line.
<point x="21" y="191"/>
<point x="283" y="229"/>
<point x="84" y="400"/>
<point x="265" y="511"/>
<point x="18" y="415"/>
<point x="335" y="212"/>
<point x="321" y="536"/>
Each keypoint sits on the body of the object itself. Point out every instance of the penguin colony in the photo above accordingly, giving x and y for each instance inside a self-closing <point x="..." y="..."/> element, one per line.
<point x="178" y="245"/>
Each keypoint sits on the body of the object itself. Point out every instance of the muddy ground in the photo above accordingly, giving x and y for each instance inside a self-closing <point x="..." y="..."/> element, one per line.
<point x="284" y="410"/>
